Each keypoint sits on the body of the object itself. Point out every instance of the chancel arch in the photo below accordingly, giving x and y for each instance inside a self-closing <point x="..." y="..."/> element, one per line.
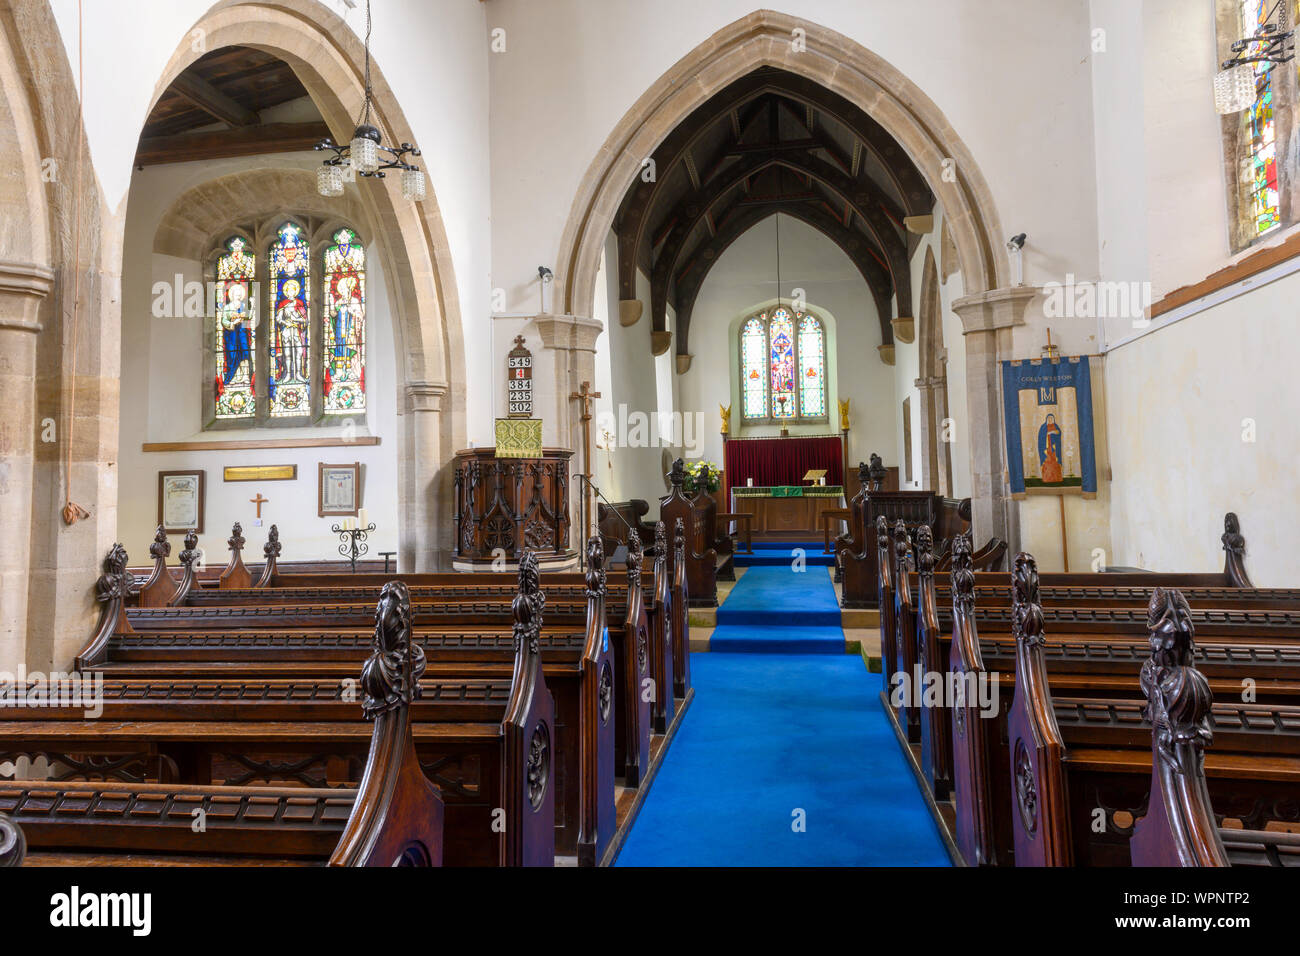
<point x="748" y="53"/>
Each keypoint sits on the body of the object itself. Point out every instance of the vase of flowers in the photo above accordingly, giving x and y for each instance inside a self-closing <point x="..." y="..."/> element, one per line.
<point x="694" y="477"/>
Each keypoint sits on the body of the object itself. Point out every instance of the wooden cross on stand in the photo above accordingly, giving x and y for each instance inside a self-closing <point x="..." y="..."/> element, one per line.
<point x="259" y="501"/>
<point x="584" y="394"/>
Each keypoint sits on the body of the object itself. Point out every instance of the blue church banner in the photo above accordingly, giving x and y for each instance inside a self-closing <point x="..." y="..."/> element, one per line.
<point x="1048" y="410"/>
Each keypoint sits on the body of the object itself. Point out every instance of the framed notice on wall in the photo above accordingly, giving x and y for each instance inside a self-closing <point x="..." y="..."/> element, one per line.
<point x="180" y="501"/>
<point x="339" y="490"/>
<point x="519" y="380"/>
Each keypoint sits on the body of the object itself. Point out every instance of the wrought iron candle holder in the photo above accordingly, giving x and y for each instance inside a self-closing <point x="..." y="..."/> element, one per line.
<point x="353" y="542"/>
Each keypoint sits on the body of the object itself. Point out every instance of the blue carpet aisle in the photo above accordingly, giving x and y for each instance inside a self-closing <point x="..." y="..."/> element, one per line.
<point x="770" y="734"/>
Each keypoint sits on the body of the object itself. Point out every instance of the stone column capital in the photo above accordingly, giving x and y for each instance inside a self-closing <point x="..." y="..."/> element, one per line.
<point x="573" y="333"/>
<point x="22" y="287"/>
<point x="425" y="396"/>
<point x="995" y="309"/>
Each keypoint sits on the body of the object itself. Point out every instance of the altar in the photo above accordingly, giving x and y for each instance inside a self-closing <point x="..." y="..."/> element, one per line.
<point x="766" y="478"/>
<point x="784" y="511"/>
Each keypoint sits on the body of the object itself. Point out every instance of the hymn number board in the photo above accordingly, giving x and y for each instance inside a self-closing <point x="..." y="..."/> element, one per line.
<point x="519" y="378"/>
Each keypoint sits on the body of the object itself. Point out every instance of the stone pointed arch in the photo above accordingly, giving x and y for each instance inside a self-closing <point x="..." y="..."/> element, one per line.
<point x="936" y="449"/>
<point x="838" y="63"/>
<point x="411" y="240"/>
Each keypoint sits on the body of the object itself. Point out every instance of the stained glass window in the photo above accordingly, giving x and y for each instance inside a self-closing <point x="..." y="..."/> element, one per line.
<point x="343" y="347"/>
<point x="753" y="349"/>
<point x="780" y="332"/>
<point x="289" y="384"/>
<point x="1261" y="160"/>
<point x="783" y="372"/>
<point x="812" y="369"/>
<point x="235" y="332"/>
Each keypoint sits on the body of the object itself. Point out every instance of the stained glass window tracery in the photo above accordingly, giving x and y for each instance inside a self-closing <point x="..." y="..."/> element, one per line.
<point x="235" y="332"/>
<point x="783" y="367"/>
<point x="343" y="347"/>
<point x="289" y="381"/>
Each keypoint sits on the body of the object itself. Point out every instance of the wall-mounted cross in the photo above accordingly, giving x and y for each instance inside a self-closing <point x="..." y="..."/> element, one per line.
<point x="259" y="501"/>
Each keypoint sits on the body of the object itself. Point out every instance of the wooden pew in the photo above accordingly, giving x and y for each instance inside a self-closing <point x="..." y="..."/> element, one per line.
<point x="615" y="519"/>
<point x="1058" y="784"/>
<point x="702" y="560"/>
<point x="1180" y="826"/>
<point x="394" y="816"/>
<point x="1094" y="664"/>
<point x="221" y="637"/>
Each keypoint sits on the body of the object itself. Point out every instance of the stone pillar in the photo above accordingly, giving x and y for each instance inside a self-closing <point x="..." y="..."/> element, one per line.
<point x="568" y="360"/>
<point x="987" y="320"/>
<point x="22" y="288"/>
<point x="930" y="389"/>
<point x="426" y="515"/>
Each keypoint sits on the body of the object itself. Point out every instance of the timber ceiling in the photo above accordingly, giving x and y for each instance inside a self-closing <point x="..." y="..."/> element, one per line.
<point x="213" y="110"/>
<point x="772" y="142"/>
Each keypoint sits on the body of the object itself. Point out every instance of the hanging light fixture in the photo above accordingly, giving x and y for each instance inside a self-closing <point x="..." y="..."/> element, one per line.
<point x="363" y="154"/>
<point x="1235" y="83"/>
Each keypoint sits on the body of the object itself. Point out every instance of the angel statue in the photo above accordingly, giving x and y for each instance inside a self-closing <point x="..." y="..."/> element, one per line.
<point x="725" y="412"/>
<point x="844" y="414"/>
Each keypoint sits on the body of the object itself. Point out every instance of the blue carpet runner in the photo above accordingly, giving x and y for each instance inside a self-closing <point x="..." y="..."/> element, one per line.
<point x="785" y="757"/>
<point x="772" y="554"/>
<point x="769" y="741"/>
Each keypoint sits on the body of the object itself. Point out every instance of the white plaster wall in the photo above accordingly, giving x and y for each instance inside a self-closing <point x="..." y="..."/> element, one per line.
<point x="1178" y="400"/>
<point x="742" y="282"/>
<point x="1012" y="79"/>
<point x="433" y="53"/>
<point x="162" y="401"/>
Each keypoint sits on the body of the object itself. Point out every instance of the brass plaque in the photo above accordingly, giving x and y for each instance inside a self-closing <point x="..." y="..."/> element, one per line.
<point x="260" y="472"/>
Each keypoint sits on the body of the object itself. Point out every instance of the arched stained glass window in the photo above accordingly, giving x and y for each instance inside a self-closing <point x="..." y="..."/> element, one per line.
<point x="344" y="351"/>
<point x="783" y="367"/>
<point x="289" y="385"/>
<point x="753" y="362"/>
<point x="1261" y="163"/>
<point x="235" y="332"/>
<point x="780" y="334"/>
<point x="812" y="368"/>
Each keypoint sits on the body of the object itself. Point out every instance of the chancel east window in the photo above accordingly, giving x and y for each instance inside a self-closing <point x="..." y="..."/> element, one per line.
<point x="306" y="362"/>
<point x="783" y="367"/>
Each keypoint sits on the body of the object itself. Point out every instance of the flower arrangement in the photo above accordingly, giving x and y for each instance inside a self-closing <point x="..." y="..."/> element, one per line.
<point x="693" y="471"/>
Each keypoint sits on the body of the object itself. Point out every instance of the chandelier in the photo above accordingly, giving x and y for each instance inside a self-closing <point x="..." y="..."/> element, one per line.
<point x="362" y="154"/>
<point x="1235" y="83"/>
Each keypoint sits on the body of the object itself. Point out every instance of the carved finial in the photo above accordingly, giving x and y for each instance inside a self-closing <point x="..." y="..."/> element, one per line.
<point x="1178" y="695"/>
<point x="924" y="549"/>
<point x="635" y="556"/>
<point x="661" y="538"/>
<point x="677" y="474"/>
<point x="595" y="576"/>
<point x="1234" y="542"/>
<point x="864" y="474"/>
<point x="391" y="677"/>
<point x="116" y="581"/>
<point x="679" y="537"/>
<point x="882" y="532"/>
<point x="161" y="547"/>
<point x="528" y="604"/>
<point x="877" y="472"/>
<point x="1026" y="611"/>
<point x="961" y="575"/>
<point x="236" y="539"/>
<point x="902" y="547"/>
<point x="190" y="553"/>
<point x="13" y="845"/>
<point x="272" y="547"/>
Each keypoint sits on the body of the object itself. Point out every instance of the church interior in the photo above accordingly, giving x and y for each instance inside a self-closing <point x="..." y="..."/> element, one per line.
<point x="589" y="433"/>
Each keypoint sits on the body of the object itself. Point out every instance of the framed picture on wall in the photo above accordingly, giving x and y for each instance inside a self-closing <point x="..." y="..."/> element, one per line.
<point x="181" y="501"/>
<point x="339" y="490"/>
